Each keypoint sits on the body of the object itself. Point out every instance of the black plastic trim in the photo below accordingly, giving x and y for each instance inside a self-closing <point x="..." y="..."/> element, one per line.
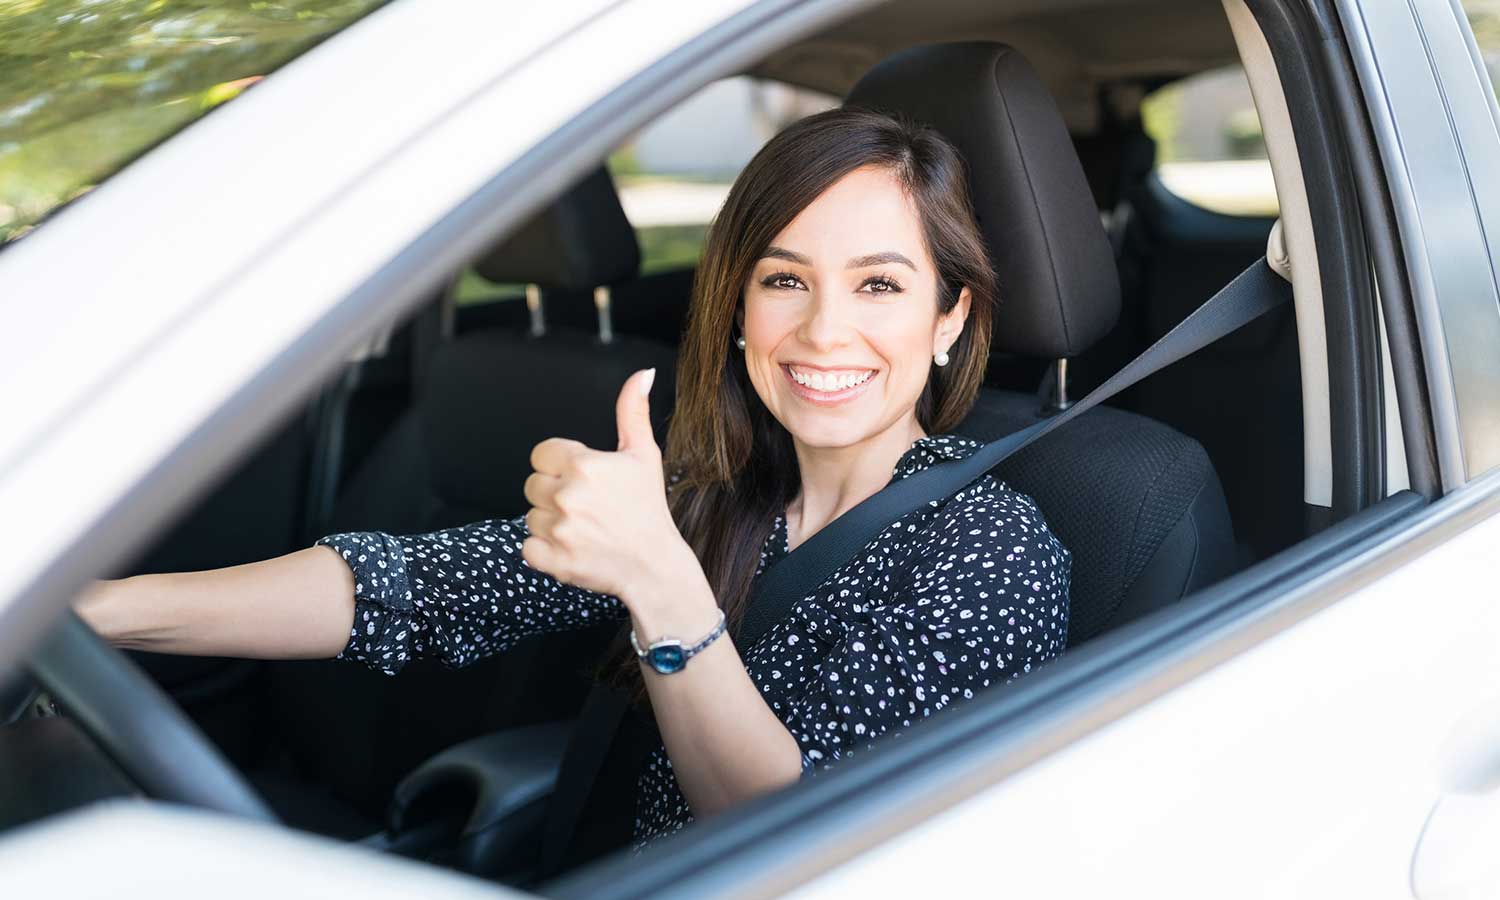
<point x="1395" y="292"/>
<point x="1295" y="33"/>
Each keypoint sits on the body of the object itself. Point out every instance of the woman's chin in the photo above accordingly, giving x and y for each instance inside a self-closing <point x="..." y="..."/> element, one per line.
<point x="828" y="432"/>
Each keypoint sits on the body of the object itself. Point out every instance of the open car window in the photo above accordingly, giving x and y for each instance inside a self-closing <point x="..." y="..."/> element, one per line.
<point x="87" y="87"/>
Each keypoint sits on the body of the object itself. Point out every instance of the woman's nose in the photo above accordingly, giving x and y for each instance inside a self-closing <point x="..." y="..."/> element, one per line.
<point x="827" y="324"/>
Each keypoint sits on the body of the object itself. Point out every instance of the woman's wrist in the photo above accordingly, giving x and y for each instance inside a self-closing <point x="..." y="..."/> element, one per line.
<point x="672" y="599"/>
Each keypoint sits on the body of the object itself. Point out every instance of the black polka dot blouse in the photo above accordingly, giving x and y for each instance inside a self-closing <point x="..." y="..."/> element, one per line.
<point x="949" y="600"/>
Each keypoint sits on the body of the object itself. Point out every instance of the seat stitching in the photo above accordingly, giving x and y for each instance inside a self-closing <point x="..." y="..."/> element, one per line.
<point x="1140" y="509"/>
<point x="1036" y="204"/>
<point x="1197" y="541"/>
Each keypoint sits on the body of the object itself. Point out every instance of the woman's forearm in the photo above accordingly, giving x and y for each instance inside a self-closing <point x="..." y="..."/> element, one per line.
<point x="725" y="743"/>
<point x="297" y="606"/>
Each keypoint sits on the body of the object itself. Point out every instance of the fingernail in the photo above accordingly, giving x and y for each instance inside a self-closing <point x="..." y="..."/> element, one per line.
<point x="647" y="381"/>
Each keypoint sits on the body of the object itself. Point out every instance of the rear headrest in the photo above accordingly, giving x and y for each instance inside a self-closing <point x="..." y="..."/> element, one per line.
<point x="1059" y="290"/>
<point x="582" y="240"/>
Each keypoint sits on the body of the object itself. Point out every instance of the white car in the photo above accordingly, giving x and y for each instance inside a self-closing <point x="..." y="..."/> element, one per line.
<point x="231" y="333"/>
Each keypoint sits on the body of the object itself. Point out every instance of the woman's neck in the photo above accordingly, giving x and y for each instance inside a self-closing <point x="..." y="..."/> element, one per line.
<point x="836" y="479"/>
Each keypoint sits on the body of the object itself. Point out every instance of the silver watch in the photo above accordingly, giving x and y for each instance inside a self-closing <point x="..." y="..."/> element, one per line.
<point x="669" y="655"/>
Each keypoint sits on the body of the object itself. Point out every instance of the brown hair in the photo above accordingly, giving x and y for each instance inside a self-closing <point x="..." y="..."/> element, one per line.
<point x="734" y="464"/>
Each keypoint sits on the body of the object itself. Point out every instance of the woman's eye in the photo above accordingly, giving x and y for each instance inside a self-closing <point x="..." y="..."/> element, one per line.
<point x="881" y="284"/>
<point x="783" y="281"/>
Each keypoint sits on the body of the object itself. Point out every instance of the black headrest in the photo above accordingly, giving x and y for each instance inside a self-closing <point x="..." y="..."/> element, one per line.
<point x="582" y="240"/>
<point x="1059" y="290"/>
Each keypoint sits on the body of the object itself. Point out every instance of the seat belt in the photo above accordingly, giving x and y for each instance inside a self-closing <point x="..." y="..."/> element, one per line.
<point x="1253" y="292"/>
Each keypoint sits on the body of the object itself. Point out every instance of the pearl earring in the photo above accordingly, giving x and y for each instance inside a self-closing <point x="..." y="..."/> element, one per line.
<point x="740" y="342"/>
<point x="940" y="358"/>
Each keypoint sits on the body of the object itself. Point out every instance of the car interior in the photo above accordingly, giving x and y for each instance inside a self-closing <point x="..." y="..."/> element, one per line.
<point x="1192" y="475"/>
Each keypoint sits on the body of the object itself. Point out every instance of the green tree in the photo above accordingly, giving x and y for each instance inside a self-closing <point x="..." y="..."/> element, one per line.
<point x="85" y="87"/>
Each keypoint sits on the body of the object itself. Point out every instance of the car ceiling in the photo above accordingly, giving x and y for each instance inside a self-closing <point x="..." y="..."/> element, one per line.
<point x="1076" y="45"/>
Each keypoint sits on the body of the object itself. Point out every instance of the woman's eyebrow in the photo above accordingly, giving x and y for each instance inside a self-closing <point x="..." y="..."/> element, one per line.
<point x="876" y="259"/>
<point x="775" y="252"/>
<point x="858" y="262"/>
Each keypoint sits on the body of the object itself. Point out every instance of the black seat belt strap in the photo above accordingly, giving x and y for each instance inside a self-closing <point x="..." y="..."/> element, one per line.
<point x="598" y="724"/>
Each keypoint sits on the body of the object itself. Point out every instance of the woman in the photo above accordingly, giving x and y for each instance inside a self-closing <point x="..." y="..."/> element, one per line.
<point x="840" y="324"/>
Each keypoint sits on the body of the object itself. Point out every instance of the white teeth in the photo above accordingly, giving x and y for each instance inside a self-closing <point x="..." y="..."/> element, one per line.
<point x="830" y="383"/>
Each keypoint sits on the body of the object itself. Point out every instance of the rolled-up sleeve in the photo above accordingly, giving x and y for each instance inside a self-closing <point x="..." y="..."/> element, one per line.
<point x="456" y="595"/>
<point x="985" y="601"/>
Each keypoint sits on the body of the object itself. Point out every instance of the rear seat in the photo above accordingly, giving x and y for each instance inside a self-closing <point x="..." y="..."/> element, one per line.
<point x="483" y="399"/>
<point x="1242" y="397"/>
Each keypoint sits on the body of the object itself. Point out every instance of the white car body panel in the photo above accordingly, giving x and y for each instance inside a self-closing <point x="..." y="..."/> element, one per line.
<point x="151" y="850"/>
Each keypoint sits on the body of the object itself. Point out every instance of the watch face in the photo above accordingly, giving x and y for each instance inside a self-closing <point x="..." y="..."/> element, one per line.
<point x="667" y="658"/>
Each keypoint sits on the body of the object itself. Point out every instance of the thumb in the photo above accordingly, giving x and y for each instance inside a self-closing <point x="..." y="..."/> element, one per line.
<point x="633" y="412"/>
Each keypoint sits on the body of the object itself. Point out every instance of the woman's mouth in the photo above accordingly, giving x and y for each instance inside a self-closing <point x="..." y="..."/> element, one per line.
<point x="827" y="386"/>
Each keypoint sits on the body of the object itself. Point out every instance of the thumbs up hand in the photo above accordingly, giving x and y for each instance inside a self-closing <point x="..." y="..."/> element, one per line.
<point x="599" y="519"/>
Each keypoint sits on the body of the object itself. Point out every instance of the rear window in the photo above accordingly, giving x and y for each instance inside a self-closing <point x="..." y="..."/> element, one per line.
<point x="86" y="86"/>
<point x="1209" y="147"/>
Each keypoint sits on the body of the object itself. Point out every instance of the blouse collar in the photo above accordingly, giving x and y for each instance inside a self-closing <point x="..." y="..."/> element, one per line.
<point x="925" y="452"/>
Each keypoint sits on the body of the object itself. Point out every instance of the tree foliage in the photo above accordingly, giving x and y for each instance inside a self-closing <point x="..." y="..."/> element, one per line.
<point x="88" y="85"/>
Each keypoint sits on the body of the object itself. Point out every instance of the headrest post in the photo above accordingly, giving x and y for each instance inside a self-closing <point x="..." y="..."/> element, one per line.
<point x="1059" y="400"/>
<point x="534" y="306"/>
<point x="601" y="303"/>
<point x="448" y="310"/>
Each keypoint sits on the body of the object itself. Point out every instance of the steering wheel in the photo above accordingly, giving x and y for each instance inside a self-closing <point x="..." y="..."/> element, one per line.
<point x="138" y="725"/>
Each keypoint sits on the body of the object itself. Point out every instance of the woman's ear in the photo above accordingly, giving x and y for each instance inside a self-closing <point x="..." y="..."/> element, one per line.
<point x="951" y="323"/>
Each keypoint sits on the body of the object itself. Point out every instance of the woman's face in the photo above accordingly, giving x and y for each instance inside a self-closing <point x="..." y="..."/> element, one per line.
<point x="841" y="319"/>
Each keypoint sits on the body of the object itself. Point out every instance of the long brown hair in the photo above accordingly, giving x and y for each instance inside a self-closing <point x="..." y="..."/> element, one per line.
<point x="733" y="463"/>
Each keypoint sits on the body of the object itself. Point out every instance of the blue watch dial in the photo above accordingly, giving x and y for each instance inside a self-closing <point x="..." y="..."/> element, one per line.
<point x="667" y="658"/>
<point x="669" y="655"/>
